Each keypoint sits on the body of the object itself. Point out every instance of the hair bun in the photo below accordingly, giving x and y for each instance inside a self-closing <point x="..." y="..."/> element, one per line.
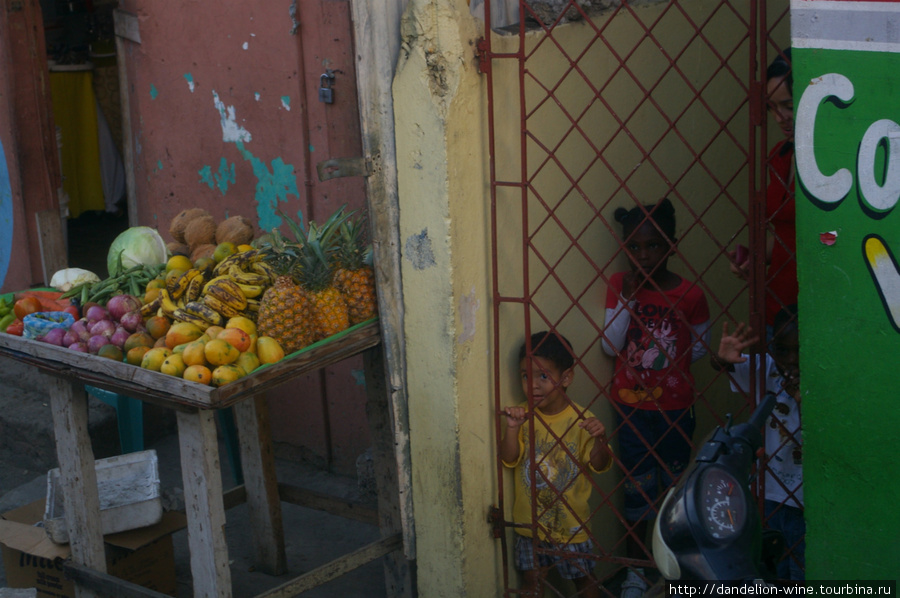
<point x="621" y="214"/>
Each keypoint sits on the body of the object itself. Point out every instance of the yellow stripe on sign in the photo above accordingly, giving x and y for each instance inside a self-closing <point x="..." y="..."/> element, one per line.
<point x="887" y="278"/>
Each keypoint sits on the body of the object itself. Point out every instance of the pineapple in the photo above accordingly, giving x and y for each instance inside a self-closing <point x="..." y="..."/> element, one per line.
<point x="284" y="310"/>
<point x="354" y="276"/>
<point x="330" y="313"/>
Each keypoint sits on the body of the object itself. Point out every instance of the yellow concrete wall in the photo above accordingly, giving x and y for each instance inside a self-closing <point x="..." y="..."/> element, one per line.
<point x="442" y="154"/>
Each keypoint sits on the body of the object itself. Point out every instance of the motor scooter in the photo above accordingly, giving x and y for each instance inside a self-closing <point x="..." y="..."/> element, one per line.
<point x="708" y="527"/>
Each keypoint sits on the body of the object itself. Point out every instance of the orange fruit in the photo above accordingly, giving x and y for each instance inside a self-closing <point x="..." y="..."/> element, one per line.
<point x="248" y="362"/>
<point x="182" y="332"/>
<point x="242" y="322"/>
<point x="268" y="350"/>
<point x="194" y="354"/>
<point x="111" y="351"/>
<point x="156" y="283"/>
<point x="179" y="262"/>
<point x="223" y="250"/>
<point x="224" y="374"/>
<point x="151" y="295"/>
<point x="220" y="352"/>
<point x="135" y="355"/>
<point x="154" y="358"/>
<point x="158" y="326"/>
<point x="173" y="365"/>
<point x="197" y="373"/>
<point x="138" y="339"/>
<point x="237" y="338"/>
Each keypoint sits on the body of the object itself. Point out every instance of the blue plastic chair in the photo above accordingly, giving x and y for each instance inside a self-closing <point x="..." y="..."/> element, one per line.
<point x="130" y="416"/>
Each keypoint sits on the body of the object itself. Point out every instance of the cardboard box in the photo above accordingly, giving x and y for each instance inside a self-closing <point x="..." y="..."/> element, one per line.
<point x="144" y="556"/>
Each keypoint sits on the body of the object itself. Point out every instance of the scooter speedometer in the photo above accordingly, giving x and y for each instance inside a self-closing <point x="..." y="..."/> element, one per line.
<point x="722" y="504"/>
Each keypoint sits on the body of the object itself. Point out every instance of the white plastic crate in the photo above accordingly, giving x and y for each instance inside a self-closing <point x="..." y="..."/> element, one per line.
<point x="129" y="491"/>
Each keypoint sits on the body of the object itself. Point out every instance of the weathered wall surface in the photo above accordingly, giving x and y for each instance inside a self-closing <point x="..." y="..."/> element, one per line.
<point x="225" y="115"/>
<point x="847" y="150"/>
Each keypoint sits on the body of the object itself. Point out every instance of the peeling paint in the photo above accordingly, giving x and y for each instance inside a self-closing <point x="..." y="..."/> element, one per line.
<point x="359" y="376"/>
<point x="153" y="92"/>
<point x="231" y="131"/>
<point x="6" y="217"/>
<point x="256" y="96"/>
<point x="159" y="165"/>
<point x="245" y="45"/>
<point x="419" y="251"/>
<point x="190" y="81"/>
<point x="468" y="314"/>
<point x="221" y="179"/>
<point x="286" y="102"/>
<point x="271" y="187"/>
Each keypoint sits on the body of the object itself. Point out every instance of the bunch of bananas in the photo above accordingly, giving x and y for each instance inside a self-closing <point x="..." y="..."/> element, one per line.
<point x="207" y="299"/>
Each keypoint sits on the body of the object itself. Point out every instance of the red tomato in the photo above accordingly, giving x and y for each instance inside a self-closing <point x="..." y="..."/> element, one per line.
<point x="27" y="305"/>
<point x="17" y="327"/>
<point x="73" y="310"/>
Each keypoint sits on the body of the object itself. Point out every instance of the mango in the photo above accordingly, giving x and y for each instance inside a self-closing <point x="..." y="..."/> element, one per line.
<point x="154" y="358"/>
<point x="224" y="374"/>
<point x="268" y="350"/>
<point x="220" y="352"/>
<point x="182" y="332"/>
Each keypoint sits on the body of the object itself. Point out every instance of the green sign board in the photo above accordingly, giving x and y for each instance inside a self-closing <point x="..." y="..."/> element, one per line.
<point x="846" y="63"/>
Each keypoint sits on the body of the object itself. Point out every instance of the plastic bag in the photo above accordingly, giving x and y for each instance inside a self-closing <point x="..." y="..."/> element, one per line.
<point x="41" y="322"/>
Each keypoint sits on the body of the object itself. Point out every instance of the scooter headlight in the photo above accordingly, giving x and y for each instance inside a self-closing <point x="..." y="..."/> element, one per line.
<point x="665" y="559"/>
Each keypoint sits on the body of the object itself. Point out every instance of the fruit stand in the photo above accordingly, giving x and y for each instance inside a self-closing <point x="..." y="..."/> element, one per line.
<point x="195" y="404"/>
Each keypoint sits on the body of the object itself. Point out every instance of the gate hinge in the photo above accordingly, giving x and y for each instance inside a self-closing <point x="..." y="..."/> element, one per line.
<point x="482" y="53"/>
<point x="495" y="518"/>
<point x="341" y="167"/>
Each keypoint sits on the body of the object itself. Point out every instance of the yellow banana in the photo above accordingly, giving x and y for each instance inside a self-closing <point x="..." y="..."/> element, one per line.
<point x="201" y="310"/>
<point x="194" y="288"/>
<point x="252" y="306"/>
<point x="244" y="277"/>
<point x="151" y="308"/>
<point x="265" y="269"/>
<point x="213" y="281"/>
<point x="251" y="291"/>
<point x="167" y="306"/>
<point x="228" y="291"/>
<point x="226" y="310"/>
<point x="183" y="316"/>
<point x="239" y="259"/>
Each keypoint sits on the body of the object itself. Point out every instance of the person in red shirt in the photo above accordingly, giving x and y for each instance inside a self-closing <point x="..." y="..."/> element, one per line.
<point x="781" y="243"/>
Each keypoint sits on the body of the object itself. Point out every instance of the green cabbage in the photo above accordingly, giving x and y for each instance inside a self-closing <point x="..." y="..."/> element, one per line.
<point x="136" y="245"/>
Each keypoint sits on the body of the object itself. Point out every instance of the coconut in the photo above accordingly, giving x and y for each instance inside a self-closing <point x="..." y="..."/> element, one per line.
<point x="202" y="251"/>
<point x="237" y="230"/>
<point x="200" y="231"/>
<point x="176" y="248"/>
<point x="180" y="222"/>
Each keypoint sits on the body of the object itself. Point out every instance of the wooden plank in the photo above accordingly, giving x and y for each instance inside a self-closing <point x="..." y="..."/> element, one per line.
<point x="336" y="568"/>
<point x="50" y="239"/>
<point x="377" y="38"/>
<point x="398" y="576"/>
<point x="126" y="26"/>
<point x="78" y="478"/>
<point x="176" y="393"/>
<point x="261" y="484"/>
<point x="333" y="505"/>
<point x="107" y="585"/>
<point x="203" y="503"/>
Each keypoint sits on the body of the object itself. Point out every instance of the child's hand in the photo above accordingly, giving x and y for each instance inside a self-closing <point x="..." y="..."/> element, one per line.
<point x="731" y="346"/>
<point x="515" y="416"/>
<point x="739" y="263"/>
<point x="594" y="427"/>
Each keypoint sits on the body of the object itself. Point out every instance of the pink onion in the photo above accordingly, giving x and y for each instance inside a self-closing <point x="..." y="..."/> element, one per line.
<point x="103" y="328"/>
<point x="55" y="336"/>
<point x="119" y="305"/>
<point x="96" y="342"/>
<point x="81" y="329"/>
<point x="70" y="337"/>
<point x="79" y="346"/>
<point x="131" y="321"/>
<point x="95" y="313"/>
<point x="119" y="337"/>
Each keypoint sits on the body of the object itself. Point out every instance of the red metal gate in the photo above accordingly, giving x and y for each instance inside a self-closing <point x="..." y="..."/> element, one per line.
<point x="618" y="109"/>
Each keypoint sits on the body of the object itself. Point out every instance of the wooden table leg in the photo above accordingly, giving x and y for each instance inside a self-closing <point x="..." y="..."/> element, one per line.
<point x="78" y="478"/>
<point x="261" y="484"/>
<point x="398" y="576"/>
<point x="203" y="503"/>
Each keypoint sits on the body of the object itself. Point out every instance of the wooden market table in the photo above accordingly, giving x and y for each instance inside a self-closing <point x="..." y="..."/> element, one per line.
<point x="67" y="372"/>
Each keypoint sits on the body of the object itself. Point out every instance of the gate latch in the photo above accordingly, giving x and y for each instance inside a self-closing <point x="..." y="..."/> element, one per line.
<point x="495" y="518"/>
<point x="341" y="167"/>
<point x="326" y="94"/>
